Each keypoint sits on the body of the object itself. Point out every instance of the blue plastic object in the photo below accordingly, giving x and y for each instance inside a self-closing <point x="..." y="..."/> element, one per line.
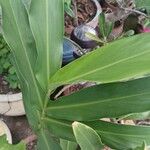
<point x="68" y="50"/>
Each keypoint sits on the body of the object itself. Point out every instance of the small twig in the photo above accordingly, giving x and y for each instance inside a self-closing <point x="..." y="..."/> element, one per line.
<point x="30" y="139"/>
<point x="113" y="8"/>
<point x="135" y="11"/>
<point x="76" y="13"/>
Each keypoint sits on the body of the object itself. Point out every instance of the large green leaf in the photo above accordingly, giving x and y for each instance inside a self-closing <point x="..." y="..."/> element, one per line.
<point x="121" y="136"/>
<point x="4" y="145"/>
<point x="47" y="23"/>
<point x="45" y="142"/>
<point x="86" y="137"/>
<point x="18" y="35"/>
<point x="60" y="128"/>
<point x="68" y="145"/>
<point x="114" y="135"/>
<point x="121" y="60"/>
<point x="103" y="101"/>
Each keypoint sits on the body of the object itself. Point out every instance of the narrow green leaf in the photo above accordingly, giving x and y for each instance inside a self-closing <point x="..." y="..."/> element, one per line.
<point x="45" y="142"/>
<point x="47" y="22"/>
<point x="86" y="137"/>
<point x="69" y="11"/>
<point x="115" y="136"/>
<point x="108" y="100"/>
<point x="4" y="145"/>
<point x="68" y="145"/>
<point x="110" y="26"/>
<point x="102" y="25"/>
<point x="68" y="2"/>
<point x="121" y="60"/>
<point x="18" y="35"/>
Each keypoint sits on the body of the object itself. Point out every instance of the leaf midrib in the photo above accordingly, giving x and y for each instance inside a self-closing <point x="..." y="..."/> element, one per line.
<point x="47" y="41"/>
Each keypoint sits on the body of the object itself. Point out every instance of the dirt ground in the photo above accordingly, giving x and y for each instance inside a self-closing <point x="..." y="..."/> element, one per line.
<point x="19" y="129"/>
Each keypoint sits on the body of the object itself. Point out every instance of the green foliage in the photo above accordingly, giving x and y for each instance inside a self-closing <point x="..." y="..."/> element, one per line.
<point x="6" y="65"/>
<point x="68" y="145"/>
<point x="46" y="142"/>
<point x="105" y="27"/>
<point x="147" y="23"/>
<point x="122" y="98"/>
<point x="113" y="135"/>
<point x="67" y="8"/>
<point x="5" y="146"/>
<point x="87" y="138"/>
<point x="125" y="63"/>
<point x="37" y="28"/>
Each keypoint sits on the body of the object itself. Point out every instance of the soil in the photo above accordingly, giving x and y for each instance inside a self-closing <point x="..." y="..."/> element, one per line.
<point x="86" y="11"/>
<point x="20" y="130"/>
<point x="76" y="87"/>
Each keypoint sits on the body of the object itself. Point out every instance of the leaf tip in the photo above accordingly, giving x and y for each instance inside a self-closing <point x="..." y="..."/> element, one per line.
<point x="75" y="124"/>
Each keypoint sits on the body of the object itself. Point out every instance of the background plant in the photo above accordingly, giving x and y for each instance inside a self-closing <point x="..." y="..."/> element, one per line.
<point x="37" y="26"/>
<point x="5" y="145"/>
<point x="6" y="65"/>
<point x="68" y="9"/>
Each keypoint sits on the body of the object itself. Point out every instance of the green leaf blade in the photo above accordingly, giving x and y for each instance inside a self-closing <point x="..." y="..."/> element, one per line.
<point x="86" y="137"/>
<point x="49" y="38"/>
<point x="5" y="146"/>
<point x="121" y="136"/>
<point x="103" y="101"/>
<point x="46" y="142"/>
<point x="18" y="35"/>
<point x="102" y="25"/>
<point x="115" y="136"/>
<point x="119" y="61"/>
<point x="68" y="145"/>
